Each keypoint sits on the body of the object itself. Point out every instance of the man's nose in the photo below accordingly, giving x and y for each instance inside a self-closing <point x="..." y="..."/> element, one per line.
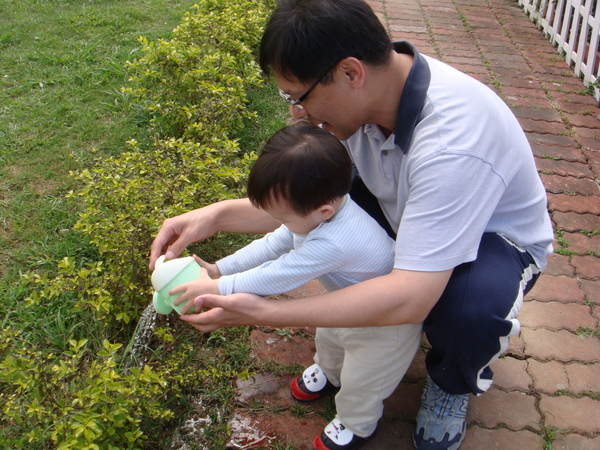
<point x="298" y="112"/>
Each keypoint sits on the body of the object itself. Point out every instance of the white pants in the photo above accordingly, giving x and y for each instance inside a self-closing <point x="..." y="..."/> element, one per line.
<point x="368" y="364"/>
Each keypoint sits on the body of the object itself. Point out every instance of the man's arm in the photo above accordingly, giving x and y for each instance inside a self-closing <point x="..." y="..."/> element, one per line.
<point x="400" y="297"/>
<point x="237" y="216"/>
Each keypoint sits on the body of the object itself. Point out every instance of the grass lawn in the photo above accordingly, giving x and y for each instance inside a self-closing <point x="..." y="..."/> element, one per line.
<point x="61" y="108"/>
<point x="61" y="70"/>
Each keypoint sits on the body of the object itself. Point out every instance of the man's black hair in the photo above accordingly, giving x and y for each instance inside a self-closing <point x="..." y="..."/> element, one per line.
<point x="305" y="38"/>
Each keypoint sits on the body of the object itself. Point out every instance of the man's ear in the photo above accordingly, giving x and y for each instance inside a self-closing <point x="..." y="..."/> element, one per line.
<point x="326" y="211"/>
<point x="353" y="71"/>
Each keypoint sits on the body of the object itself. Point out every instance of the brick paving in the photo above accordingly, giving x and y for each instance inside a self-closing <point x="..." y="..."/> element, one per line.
<point x="546" y="391"/>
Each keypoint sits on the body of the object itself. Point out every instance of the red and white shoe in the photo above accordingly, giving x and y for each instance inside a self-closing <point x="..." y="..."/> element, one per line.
<point x="311" y="385"/>
<point x="337" y="437"/>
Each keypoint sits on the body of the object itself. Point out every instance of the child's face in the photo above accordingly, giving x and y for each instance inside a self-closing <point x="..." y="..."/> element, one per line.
<point x="282" y="212"/>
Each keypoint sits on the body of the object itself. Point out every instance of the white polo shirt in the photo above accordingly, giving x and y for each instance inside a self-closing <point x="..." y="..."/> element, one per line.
<point x="457" y="165"/>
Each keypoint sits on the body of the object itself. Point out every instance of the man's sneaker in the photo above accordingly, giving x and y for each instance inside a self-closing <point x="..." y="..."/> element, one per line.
<point x="337" y="437"/>
<point x="441" y="422"/>
<point x="311" y="385"/>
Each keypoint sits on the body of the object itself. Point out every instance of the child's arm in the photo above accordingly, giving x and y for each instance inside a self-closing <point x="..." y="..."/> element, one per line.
<point x="259" y="251"/>
<point x="316" y="257"/>
<point x="208" y="283"/>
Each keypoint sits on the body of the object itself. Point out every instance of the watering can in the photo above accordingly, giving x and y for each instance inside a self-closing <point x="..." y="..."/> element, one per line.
<point x="169" y="274"/>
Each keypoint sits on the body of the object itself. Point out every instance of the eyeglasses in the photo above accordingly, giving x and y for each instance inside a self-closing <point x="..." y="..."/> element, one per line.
<point x="288" y="98"/>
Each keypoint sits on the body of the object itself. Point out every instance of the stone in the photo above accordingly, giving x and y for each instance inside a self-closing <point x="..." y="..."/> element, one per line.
<point x="502" y="439"/>
<point x="559" y="265"/>
<point x="567" y="413"/>
<point x="511" y="374"/>
<point x="556" y="316"/>
<point x="559" y="289"/>
<point x="260" y="384"/>
<point x="587" y="266"/>
<point x="584" y="378"/>
<point x="576" y="442"/>
<point x="513" y="410"/>
<point x="560" y="345"/>
<point x="548" y="377"/>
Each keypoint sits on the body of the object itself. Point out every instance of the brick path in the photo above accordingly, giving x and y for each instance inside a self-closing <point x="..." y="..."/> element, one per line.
<point x="547" y="387"/>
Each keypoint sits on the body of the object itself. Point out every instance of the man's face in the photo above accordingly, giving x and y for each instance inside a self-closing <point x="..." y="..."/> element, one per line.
<point x="326" y="105"/>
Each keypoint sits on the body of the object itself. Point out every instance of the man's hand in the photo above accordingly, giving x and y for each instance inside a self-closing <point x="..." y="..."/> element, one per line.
<point x="241" y="309"/>
<point x="178" y="232"/>
<point x="235" y="216"/>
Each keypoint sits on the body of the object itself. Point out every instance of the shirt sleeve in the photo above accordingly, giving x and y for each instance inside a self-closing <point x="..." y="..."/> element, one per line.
<point x="267" y="248"/>
<point x="316" y="257"/>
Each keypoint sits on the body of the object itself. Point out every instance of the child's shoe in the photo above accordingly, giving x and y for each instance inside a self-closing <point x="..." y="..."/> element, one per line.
<point x="311" y="385"/>
<point x="337" y="437"/>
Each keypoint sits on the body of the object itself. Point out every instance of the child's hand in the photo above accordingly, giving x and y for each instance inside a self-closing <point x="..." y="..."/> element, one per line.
<point x="191" y="290"/>
<point x="212" y="269"/>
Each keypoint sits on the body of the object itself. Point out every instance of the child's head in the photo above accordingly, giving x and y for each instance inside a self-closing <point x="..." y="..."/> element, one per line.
<point x="303" y="166"/>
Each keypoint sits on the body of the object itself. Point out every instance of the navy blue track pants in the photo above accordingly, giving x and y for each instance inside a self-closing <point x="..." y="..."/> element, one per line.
<point x="471" y="324"/>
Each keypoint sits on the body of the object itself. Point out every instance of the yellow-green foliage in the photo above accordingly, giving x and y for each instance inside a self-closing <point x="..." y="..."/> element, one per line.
<point x="71" y="389"/>
<point x="194" y="85"/>
<point x="92" y="285"/>
<point x="74" y="399"/>
<point x="127" y="197"/>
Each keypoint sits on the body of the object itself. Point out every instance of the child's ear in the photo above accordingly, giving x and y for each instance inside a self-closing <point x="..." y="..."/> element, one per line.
<point x="327" y="212"/>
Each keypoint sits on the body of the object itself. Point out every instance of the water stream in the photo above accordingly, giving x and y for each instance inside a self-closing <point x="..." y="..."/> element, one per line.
<point x="137" y="352"/>
<point x="191" y="434"/>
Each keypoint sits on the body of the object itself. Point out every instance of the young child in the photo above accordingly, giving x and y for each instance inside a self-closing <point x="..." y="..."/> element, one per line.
<point x="302" y="179"/>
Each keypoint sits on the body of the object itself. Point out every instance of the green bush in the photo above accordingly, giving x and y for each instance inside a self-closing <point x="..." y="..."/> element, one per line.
<point x="126" y="198"/>
<point x="75" y="399"/>
<point x="86" y="398"/>
<point x="70" y="387"/>
<point x="194" y="85"/>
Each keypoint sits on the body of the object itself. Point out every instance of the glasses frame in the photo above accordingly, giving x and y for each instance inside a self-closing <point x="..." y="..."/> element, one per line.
<point x="288" y="98"/>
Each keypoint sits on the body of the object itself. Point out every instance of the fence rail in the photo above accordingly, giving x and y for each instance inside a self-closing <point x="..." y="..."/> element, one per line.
<point x="573" y="26"/>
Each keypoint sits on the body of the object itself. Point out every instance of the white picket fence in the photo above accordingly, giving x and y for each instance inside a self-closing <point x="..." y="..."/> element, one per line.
<point x="573" y="26"/>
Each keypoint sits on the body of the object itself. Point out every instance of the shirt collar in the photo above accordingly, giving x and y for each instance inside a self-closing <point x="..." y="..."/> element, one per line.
<point x="413" y="95"/>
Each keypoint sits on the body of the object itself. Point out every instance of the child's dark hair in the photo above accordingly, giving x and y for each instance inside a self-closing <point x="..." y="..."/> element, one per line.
<point x="303" y="165"/>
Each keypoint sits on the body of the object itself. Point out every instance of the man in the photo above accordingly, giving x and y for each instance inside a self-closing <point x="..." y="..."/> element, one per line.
<point x="302" y="178"/>
<point x="442" y="164"/>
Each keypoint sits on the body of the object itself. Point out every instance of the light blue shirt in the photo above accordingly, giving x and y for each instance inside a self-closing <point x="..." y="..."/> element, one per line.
<point x="349" y="248"/>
